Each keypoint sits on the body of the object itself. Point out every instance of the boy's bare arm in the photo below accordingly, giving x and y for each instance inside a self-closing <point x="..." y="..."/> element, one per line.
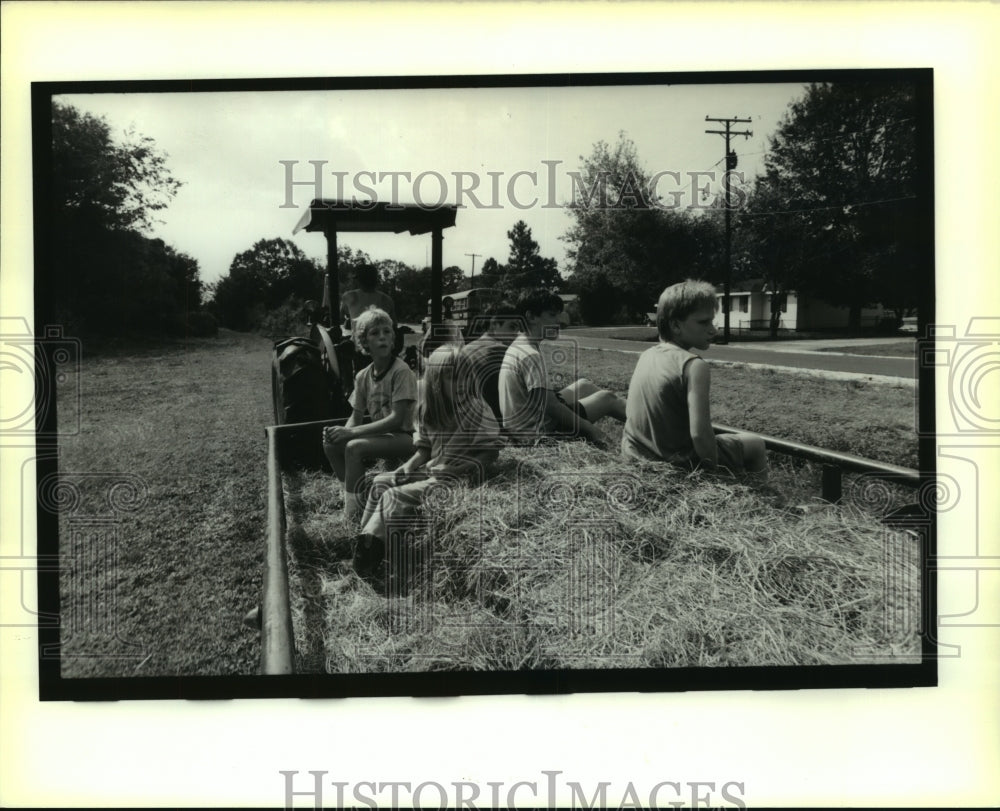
<point x="418" y="460"/>
<point x="567" y="418"/>
<point x="386" y="425"/>
<point x="699" y="413"/>
<point x="341" y="433"/>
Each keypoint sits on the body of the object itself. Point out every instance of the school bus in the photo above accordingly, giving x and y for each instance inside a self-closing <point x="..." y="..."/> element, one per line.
<point x="461" y="309"/>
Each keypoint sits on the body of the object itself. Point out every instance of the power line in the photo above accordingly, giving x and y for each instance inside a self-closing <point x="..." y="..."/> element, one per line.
<point x="473" y="274"/>
<point x="819" y="140"/>
<point x="839" y="137"/>
<point x="731" y="161"/>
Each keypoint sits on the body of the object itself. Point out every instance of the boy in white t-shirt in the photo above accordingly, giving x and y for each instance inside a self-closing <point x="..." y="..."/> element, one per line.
<point x="531" y="409"/>
<point x="486" y="353"/>
<point x="384" y="391"/>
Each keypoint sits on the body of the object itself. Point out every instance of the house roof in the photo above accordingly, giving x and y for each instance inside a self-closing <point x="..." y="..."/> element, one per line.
<point x="742" y="286"/>
<point x="361" y="215"/>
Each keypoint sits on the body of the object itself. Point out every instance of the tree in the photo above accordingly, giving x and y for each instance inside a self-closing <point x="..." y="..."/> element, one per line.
<point x="526" y="268"/>
<point x="348" y="263"/>
<point x="107" y="184"/>
<point x="410" y="287"/>
<point x="184" y="274"/>
<point x="490" y="275"/>
<point x="625" y="245"/>
<point x="263" y="278"/>
<point x="844" y="162"/>
<point x="111" y="279"/>
<point x="452" y="279"/>
<point x="388" y="272"/>
<point x="771" y="242"/>
<point x="405" y="285"/>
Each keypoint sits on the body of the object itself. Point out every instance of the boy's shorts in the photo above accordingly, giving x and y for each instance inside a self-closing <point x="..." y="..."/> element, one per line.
<point x="577" y="407"/>
<point x="730" y="452"/>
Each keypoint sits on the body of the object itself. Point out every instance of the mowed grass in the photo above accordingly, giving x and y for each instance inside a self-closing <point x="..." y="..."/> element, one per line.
<point x="874" y="420"/>
<point x="890" y="349"/>
<point x="161" y="589"/>
<point x="566" y="557"/>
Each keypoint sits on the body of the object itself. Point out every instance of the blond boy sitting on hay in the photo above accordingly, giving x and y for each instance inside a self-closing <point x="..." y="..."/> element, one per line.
<point x="667" y="414"/>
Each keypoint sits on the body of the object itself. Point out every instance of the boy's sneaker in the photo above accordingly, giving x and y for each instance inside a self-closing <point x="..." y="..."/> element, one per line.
<point x="369" y="551"/>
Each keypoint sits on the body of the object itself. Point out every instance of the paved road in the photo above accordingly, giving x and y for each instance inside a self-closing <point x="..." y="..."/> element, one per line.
<point x="784" y="354"/>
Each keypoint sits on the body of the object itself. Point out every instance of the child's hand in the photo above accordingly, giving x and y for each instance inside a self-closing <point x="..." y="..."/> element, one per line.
<point x="400" y="474"/>
<point x="336" y="433"/>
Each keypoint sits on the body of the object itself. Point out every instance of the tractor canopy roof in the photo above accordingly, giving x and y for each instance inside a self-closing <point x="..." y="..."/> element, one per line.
<point x="361" y="215"/>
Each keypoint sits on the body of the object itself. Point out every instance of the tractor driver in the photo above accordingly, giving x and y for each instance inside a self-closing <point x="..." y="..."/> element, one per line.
<point x="354" y="302"/>
<point x="364" y="297"/>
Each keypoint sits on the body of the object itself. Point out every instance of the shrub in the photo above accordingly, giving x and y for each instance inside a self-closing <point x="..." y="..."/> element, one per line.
<point x="202" y="324"/>
<point x="887" y="325"/>
<point x="287" y="319"/>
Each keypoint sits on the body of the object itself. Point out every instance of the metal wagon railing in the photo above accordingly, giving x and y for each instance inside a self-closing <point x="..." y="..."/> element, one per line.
<point x="834" y="463"/>
<point x="276" y="633"/>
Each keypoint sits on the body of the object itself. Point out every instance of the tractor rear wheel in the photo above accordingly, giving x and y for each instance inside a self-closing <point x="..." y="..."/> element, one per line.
<point x="328" y="356"/>
<point x="298" y="383"/>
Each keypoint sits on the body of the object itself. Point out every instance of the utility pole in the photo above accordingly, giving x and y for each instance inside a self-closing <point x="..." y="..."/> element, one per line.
<point x="730" y="165"/>
<point x="473" y="276"/>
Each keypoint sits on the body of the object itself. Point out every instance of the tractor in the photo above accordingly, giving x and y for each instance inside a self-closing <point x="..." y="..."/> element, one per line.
<point x="312" y="378"/>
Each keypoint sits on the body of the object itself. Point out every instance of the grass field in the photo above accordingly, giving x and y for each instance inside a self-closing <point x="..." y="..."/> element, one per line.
<point x="872" y="420"/>
<point x="163" y="588"/>
<point x="187" y="423"/>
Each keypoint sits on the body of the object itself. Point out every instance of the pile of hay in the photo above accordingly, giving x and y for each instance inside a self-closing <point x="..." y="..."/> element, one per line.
<point x="570" y="557"/>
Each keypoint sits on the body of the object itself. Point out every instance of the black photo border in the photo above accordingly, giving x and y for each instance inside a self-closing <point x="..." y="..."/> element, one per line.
<point x="54" y="687"/>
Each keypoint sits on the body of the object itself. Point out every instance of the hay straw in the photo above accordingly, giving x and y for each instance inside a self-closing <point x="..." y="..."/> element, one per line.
<point x="571" y="557"/>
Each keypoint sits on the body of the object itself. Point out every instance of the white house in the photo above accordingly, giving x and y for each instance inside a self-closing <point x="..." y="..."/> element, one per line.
<point x="750" y="308"/>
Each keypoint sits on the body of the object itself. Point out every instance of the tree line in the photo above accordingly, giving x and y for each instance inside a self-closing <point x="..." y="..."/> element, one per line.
<point x="109" y="278"/>
<point x="268" y="285"/>
<point x="835" y="213"/>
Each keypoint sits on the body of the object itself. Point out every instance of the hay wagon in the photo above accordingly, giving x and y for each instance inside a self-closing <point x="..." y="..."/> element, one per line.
<point x="311" y="380"/>
<point x="310" y="389"/>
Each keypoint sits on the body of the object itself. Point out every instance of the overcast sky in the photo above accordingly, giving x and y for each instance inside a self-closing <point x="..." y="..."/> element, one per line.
<point x="227" y="150"/>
